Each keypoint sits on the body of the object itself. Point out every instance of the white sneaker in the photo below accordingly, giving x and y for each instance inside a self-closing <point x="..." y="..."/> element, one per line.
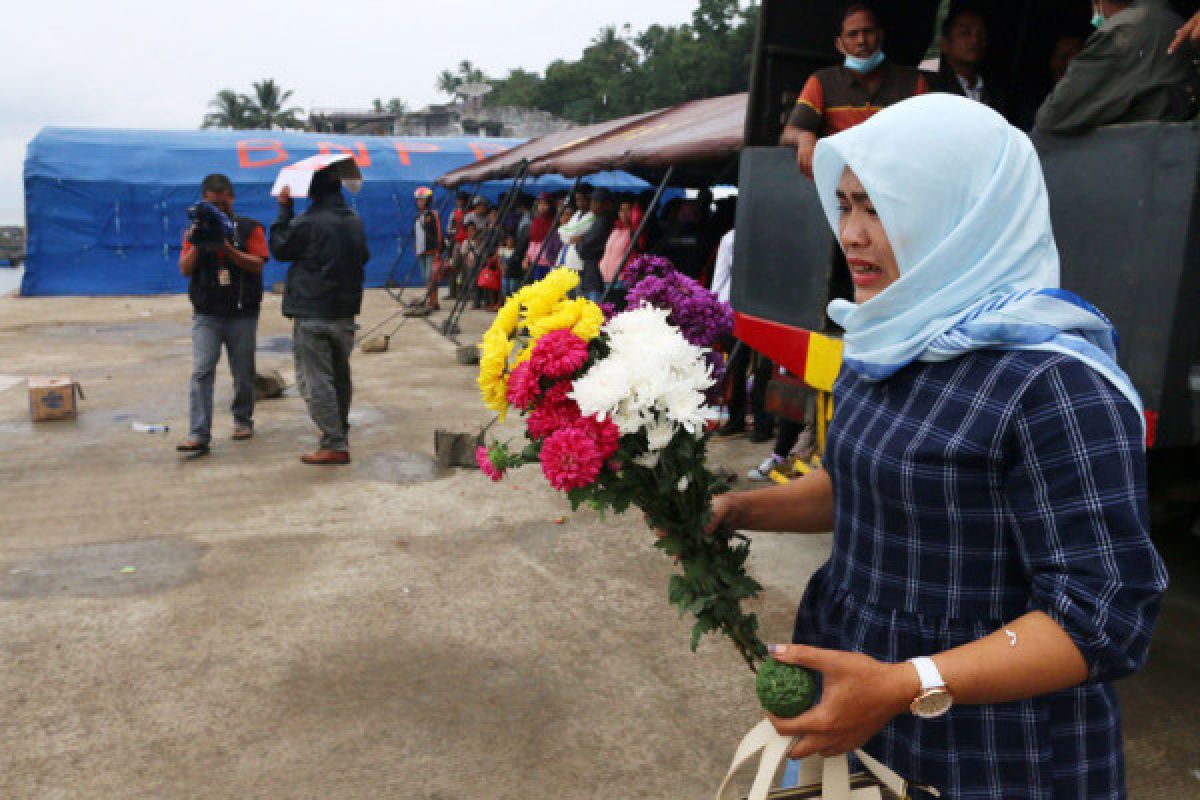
<point x="763" y="471"/>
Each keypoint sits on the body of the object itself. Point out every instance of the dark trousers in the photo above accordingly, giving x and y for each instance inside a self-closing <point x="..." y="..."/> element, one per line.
<point x="591" y="281"/>
<point x="739" y="366"/>
<point x="321" y="349"/>
<point x="785" y="440"/>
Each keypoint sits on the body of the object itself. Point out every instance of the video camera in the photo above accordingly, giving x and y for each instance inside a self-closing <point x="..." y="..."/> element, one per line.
<point x="210" y="225"/>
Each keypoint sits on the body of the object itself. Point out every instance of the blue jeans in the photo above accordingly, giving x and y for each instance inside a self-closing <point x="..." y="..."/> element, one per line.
<point x="321" y="349"/>
<point x="425" y="262"/>
<point x="208" y="334"/>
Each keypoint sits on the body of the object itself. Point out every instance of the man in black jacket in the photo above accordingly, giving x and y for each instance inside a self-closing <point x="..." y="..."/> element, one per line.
<point x="225" y="287"/>
<point x="592" y="243"/>
<point x="327" y="246"/>
<point x="964" y="46"/>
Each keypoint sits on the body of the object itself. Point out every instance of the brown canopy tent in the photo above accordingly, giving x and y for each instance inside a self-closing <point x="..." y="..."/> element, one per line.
<point x="696" y="143"/>
<point x="700" y="136"/>
<point x="506" y="164"/>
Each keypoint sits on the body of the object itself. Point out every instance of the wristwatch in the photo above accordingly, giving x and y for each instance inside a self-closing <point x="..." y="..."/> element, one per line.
<point x="935" y="699"/>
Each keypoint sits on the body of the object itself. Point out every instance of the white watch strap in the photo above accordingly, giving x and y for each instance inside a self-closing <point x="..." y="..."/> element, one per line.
<point x="927" y="671"/>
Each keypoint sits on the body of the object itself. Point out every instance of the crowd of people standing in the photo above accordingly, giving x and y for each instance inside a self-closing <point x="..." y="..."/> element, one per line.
<point x="591" y="230"/>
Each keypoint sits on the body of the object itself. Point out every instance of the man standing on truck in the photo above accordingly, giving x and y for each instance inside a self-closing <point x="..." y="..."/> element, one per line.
<point x="840" y="97"/>
<point x="1124" y="72"/>
<point x="964" y="46"/>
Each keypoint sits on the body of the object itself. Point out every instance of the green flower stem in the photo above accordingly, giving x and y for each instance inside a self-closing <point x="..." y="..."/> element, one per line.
<point x="676" y="497"/>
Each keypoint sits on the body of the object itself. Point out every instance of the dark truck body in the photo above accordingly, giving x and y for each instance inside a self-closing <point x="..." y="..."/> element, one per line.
<point x="1123" y="200"/>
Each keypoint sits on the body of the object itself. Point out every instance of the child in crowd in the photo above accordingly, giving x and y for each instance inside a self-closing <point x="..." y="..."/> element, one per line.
<point x="488" y="282"/>
<point x="510" y="266"/>
<point x="618" y="243"/>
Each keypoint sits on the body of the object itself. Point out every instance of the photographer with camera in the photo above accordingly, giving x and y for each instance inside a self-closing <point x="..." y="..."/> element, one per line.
<point x="223" y="256"/>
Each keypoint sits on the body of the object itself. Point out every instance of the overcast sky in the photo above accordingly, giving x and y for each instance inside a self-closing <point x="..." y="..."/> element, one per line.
<point x="156" y="64"/>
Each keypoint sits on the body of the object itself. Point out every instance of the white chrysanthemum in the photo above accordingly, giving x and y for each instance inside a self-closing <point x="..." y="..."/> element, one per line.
<point x="660" y="433"/>
<point x="652" y="378"/>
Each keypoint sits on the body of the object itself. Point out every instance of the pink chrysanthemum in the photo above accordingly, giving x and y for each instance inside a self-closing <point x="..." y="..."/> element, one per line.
<point x="604" y="433"/>
<point x="551" y="415"/>
<point x="571" y="459"/>
<point x="484" y="460"/>
<point x="522" y="386"/>
<point x="557" y="393"/>
<point x="558" y="354"/>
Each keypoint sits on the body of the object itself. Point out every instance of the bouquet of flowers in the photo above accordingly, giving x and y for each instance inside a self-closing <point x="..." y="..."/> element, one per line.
<point x="615" y="413"/>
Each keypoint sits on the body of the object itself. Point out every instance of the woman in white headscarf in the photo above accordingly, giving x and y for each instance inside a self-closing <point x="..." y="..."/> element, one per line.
<point x="991" y="571"/>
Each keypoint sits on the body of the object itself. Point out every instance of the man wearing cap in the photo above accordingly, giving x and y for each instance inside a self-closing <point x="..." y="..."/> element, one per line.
<point x="225" y="288"/>
<point x="427" y="240"/>
<point x="327" y="246"/>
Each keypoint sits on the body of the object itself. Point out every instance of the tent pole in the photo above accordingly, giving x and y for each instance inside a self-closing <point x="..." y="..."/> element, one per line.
<point x="490" y="243"/>
<point x="554" y="225"/>
<point x="640" y="229"/>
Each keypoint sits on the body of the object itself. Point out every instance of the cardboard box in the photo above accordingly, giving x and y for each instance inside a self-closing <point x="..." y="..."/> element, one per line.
<point x="53" y="397"/>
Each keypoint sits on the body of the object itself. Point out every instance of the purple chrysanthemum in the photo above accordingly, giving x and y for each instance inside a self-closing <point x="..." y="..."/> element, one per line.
<point x="700" y="316"/>
<point x="645" y="266"/>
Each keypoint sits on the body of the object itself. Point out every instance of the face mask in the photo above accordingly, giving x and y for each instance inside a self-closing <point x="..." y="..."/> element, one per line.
<point x="864" y="65"/>
<point x="1097" y="18"/>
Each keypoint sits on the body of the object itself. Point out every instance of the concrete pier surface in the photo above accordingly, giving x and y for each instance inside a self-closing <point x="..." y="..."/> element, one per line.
<point x="242" y="625"/>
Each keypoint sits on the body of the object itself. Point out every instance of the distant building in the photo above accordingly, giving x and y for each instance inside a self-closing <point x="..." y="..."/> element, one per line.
<point x="342" y="120"/>
<point x="451" y="119"/>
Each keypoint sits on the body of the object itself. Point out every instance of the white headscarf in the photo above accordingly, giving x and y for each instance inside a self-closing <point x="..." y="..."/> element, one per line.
<point x="961" y="195"/>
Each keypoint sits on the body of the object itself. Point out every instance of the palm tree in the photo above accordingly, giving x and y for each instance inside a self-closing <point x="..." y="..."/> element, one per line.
<point x="232" y="111"/>
<point x="467" y="72"/>
<point x="267" y="107"/>
<point x="394" y="106"/>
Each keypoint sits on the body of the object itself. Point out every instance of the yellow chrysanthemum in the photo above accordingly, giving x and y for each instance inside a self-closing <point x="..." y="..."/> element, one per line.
<point x="591" y="317"/>
<point x="493" y="368"/>
<point x="564" y="316"/>
<point x="508" y="316"/>
<point x="542" y="297"/>
<point x="541" y="307"/>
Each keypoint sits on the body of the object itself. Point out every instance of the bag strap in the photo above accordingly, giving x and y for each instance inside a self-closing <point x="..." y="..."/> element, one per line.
<point x="895" y="784"/>
<point x="833" y="774"/>
<point x="761" y="737"/>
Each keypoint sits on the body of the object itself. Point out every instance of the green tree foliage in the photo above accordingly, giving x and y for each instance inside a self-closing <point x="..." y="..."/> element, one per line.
<point x="621" y="72"/>
<point x="267" y="107"/>
<point x="448" y="81"/>
<point x="392" y="106"/>
<point x="230" y="110"/>
<point x="264" y="109"/>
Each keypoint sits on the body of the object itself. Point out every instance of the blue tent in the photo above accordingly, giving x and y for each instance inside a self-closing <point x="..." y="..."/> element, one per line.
<point x="105" y="209"/>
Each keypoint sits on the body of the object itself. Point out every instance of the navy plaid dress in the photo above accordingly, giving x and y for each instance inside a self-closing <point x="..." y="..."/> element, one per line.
<point x="968" y="493"/>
